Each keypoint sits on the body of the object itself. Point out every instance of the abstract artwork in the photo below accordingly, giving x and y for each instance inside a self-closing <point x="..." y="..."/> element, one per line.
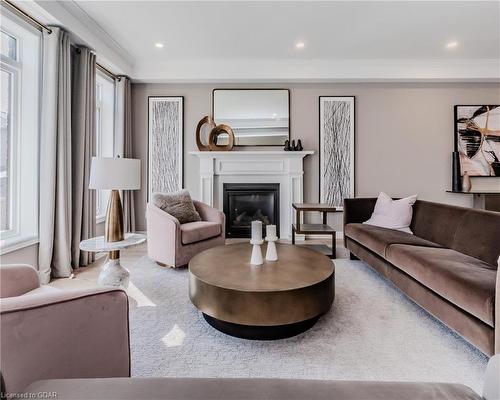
<point x="165" y="146"/>
<point x="336" y="149"/>
<point x="477" y="139"/>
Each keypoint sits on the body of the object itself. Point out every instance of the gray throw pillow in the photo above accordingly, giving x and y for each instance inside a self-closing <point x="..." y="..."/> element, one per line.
<point x="178" y="204"/>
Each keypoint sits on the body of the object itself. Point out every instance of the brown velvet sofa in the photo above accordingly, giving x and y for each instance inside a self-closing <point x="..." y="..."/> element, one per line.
<point x="448" y="266"/>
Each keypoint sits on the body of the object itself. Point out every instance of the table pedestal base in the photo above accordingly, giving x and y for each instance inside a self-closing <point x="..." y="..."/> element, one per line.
<point x="261" y="332"/>
<point x="113" y="274"/>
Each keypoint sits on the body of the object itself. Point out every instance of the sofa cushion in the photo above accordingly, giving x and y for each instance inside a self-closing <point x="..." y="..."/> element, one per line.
<point x="436" y="222"/>
<point x="378" y="239"/>
<point x="393" y="214"/>
<point x="193" y="232"/>
<point x="465" y="281"/>
<point x="478" y="235"/>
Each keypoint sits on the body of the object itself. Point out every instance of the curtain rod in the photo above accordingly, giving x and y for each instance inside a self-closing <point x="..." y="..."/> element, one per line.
<point x="34" y="21"/>
<point x="108" y="72"/>
<point x="27" y="16"/>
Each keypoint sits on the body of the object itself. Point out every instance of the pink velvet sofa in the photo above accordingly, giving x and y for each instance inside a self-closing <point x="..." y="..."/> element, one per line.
<point x="173" y="244"/>
<point x="50" y="333"/>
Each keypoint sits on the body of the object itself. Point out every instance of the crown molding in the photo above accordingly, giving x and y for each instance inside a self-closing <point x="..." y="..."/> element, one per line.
<point x="362" y="70"/>
<point x="83" y="29"/>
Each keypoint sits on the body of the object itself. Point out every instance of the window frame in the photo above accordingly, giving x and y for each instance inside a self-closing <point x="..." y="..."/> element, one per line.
<point x="25" y="133"/>
<point x="102" y="196"/>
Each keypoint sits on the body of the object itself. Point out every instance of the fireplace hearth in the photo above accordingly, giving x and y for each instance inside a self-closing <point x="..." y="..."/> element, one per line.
<point x="247" y="202"/>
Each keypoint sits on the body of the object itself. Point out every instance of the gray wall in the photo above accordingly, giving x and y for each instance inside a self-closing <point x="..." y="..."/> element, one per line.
<point x="404" y="134"/>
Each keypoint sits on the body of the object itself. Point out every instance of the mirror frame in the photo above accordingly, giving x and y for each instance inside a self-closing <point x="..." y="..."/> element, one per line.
<point x="249" y="89"/>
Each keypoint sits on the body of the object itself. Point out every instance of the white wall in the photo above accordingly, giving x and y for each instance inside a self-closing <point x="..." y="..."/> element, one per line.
<point x="404" y="134"/>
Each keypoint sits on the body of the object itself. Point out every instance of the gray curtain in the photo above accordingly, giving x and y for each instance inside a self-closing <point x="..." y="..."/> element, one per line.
<point x="123" y="143"/>
<point x="54" y="256"/>
<point x="82" y="149"/>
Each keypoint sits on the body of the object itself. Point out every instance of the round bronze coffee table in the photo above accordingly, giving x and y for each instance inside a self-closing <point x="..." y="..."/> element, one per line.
<point x="275" y="300"/>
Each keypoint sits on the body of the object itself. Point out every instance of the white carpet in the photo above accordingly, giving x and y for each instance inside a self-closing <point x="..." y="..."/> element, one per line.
<point x="373" y="332"/>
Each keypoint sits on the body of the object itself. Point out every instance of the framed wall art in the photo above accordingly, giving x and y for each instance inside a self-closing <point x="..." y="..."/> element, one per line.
<point x="165" y="143"/>
<point x="477" y="139"/>
<point x="336" y="149"/>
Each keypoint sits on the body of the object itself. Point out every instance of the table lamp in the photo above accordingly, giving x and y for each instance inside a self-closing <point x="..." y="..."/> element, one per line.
<point x="114" y="173"/>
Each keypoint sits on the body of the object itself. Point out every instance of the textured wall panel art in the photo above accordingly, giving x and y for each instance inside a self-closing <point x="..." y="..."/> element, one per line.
<point x="336" y="149"/>
<point x="165" y="145"/>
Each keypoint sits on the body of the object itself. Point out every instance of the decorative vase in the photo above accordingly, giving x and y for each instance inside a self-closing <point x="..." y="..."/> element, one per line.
<point x="287" y="146"/>
<point x="466" y="182"/>
<point x="299" y="145"/>
<point x="456" y="183"/>
<point x="293" y="145"/>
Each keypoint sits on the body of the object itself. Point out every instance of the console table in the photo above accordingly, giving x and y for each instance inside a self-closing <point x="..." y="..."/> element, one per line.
<point x="314" y="229"/>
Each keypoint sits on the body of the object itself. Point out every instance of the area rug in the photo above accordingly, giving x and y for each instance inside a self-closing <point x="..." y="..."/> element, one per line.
<point x="373" y="332"/>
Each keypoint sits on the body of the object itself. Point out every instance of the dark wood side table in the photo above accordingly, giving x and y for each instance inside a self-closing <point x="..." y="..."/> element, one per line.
<point x="314" y="229"/>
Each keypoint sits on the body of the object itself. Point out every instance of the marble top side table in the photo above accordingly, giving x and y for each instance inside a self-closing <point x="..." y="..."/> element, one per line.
<point x="112" y="273"/>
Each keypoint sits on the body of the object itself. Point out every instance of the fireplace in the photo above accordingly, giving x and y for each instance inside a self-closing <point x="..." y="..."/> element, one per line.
<point x="247" y="202"/>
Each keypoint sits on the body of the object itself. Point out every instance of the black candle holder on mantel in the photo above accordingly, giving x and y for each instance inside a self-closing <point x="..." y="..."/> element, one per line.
<point x="293" y="146"/>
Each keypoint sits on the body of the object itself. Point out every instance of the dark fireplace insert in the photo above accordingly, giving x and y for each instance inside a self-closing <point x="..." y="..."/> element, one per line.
<point x="247" y="202"/>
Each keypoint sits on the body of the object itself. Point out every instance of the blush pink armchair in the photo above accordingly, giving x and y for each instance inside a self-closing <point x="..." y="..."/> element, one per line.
<point x="50" y="333"/>
<point x="173" y="244"/>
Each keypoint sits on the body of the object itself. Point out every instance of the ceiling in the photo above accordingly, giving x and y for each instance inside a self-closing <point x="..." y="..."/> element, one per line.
<point x="342" y="39"/>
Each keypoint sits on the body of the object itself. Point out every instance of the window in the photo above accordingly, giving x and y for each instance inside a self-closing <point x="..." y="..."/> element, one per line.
<point x="19" y="127"/>
<point x="105" y="111"/>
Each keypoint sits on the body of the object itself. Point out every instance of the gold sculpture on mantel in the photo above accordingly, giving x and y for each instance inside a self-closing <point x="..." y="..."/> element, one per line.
<point x="214" y="133"/>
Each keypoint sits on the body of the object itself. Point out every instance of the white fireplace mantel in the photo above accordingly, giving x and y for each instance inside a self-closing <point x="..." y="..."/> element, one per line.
<point x="275" y="166"/>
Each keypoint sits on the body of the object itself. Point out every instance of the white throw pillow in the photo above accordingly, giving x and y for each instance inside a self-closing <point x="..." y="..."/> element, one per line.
<point x="393" y="214"/>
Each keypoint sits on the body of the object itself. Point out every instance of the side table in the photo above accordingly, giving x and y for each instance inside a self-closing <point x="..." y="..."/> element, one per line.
<point x="314" y="229"/>
<point x="112" y="273"/>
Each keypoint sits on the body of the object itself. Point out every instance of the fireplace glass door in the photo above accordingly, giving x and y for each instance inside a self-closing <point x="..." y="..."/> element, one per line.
<point x="244" y="203"/>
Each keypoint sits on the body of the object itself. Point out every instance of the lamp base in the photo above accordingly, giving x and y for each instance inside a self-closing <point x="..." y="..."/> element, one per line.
<point x="113" y="229"/>
<point x="113" y="274"/>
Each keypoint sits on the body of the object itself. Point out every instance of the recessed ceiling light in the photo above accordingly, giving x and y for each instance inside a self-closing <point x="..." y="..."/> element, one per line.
<point x="159" y="45"/>
<point x="452" y="44"/>
<point x="300" y="45"/>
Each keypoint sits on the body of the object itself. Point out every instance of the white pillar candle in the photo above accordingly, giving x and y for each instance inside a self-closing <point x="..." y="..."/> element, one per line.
<point x="256" y="231"/>
<point x="271" y="231"/>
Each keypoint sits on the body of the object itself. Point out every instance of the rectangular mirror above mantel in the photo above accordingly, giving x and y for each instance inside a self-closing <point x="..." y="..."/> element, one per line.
<point x="258" y="117"/>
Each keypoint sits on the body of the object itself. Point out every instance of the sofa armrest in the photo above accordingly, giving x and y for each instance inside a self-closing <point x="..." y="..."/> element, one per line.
<point x="208" y="213"/>
<point x="358" y="210"/>
<point x="164" y="235"/>
<point x="64" y="334"/>
<point x="17" y="279"/>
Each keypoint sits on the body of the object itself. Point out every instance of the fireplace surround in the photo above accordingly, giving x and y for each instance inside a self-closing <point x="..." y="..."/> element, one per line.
<point x="264" y="166"/>
<point x="247" y="202"/>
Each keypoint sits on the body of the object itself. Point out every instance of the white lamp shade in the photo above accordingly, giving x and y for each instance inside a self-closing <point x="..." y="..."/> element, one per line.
<point x="111" y="173"/>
